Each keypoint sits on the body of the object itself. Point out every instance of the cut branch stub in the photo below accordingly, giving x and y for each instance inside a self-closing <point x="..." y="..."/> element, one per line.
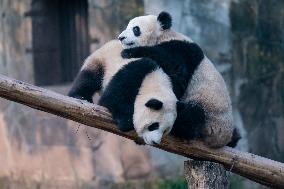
<point x="205" y="175"/>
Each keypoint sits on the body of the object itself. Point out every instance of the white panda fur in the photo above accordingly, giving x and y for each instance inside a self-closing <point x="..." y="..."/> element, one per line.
<point x="155" y="86"/>
<point x="109" y="57"/>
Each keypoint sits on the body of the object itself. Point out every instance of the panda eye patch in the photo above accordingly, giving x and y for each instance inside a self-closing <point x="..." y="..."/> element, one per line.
<point x="154" y="104"/>
<point x="153" y="126"/>
<point x="136" y="31"/>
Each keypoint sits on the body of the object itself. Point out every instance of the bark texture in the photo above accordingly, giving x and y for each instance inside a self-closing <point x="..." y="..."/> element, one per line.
<point x="205" y="175"/>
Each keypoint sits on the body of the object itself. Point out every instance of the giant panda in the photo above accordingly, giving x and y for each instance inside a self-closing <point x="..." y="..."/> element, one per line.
<point x="100" y="67"/>
<point x="179" y="59"/>
<point x="133" y="84"/>
<point x="147" y="106"/>
<point x="138" y="93"/>
<point x="205" y="86"/>
<point x="105" y="70"/>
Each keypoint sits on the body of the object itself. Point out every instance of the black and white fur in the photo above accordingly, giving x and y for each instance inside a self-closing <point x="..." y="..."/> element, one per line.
<point x="179" y="60"/>
<point x="141" y="86"/>
<point x="118" y="80"/>
<point x="129" y="106"/>
<point x="205" y="96"/>
<point x="205" y="87"/>
<point x="182" y="58"/>
<point x="97" y="71"/>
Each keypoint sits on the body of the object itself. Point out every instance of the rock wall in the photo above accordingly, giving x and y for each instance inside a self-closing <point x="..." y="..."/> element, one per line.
<point x="258" y="63"/>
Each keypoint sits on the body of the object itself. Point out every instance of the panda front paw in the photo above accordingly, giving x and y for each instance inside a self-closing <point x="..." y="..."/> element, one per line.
<point x="126" y="54"/>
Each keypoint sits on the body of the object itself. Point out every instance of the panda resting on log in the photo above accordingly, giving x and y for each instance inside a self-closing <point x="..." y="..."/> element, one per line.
<point x="204" y="107"/>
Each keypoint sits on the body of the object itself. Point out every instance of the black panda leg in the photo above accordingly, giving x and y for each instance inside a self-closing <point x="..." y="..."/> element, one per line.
<point x="235" y="138"/>
<point x="86" y="84"/>
<point x="190" y="121"/>
<point x="125" y="124"/>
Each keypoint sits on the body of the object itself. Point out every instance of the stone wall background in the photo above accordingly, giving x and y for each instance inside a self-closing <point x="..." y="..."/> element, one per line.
<point x="244" y="39"/>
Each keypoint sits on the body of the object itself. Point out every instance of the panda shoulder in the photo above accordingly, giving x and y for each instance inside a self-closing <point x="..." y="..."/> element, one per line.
<point x="171" y="34"/>
<point x="98" y="58"/>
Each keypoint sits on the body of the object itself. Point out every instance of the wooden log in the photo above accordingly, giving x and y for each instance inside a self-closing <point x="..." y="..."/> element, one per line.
<point x="256" y="168"/>
<point x="205" y="175"/>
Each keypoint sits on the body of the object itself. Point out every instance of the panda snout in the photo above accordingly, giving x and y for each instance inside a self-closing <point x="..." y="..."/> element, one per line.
<point x="152" y="138"/>
<point x="121" y="38"/>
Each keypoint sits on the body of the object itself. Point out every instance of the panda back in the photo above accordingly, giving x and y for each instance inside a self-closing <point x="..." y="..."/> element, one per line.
<point x="109" y="58"/>
<point x="208" y="88"/>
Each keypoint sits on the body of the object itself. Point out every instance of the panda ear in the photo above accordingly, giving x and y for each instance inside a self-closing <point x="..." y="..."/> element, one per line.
<point x="154" y="104"/>
<point x="165" y="20"/>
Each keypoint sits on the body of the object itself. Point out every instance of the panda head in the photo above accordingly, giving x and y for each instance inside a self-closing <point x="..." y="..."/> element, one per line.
<point x="145" y="30"/>
<point x="154" y="118"/>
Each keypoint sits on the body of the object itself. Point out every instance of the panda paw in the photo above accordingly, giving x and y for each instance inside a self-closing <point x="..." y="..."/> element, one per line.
<point x="126" y="53"/>
<point x="139" y="142"/>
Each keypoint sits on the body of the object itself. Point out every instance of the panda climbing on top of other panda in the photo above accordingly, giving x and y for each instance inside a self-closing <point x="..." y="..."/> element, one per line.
<point x="142" y="96"/>
<point x="101" y="67"/>
<point x="204" y="84"/>
<point x="142" y="84"/>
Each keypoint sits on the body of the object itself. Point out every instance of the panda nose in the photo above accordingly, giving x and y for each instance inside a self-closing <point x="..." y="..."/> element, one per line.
<point x="155" y="143"/>
<point x="121" y="38"/>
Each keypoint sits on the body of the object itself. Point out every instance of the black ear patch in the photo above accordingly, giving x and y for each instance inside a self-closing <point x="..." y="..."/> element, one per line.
<point x="165" y="20"/>
<point x="154" y="104"/>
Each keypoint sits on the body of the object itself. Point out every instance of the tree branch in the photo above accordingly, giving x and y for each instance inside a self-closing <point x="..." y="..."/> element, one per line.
<point x="256" y="168"/>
